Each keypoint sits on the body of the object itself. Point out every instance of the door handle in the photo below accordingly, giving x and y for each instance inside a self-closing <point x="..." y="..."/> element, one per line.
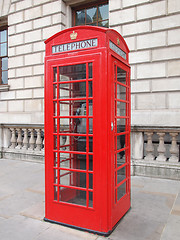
<point x="112" y="126"/>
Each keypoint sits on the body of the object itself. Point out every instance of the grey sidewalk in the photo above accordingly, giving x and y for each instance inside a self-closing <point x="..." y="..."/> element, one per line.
<point x="155" y="212"/>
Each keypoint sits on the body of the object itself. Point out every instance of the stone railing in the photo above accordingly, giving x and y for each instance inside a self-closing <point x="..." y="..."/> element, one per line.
<point x="22" y="141"/>
<point x="155" y="151"/>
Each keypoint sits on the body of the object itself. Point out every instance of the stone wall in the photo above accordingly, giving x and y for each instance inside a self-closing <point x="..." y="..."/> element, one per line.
<point x="152" y="31"/>
<point x="30" y="22"/>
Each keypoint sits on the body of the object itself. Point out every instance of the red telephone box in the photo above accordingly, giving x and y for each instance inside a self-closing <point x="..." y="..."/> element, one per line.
<point x="87" y="128"/>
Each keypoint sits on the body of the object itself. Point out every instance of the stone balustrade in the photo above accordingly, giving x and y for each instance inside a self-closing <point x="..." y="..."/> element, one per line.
<point x="155" y="151"/>
<point x="22" y="141"/>
<point x="27" y="138"/>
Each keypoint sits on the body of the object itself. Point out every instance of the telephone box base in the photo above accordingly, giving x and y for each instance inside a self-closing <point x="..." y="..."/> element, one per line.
<point x="106" y="234"/>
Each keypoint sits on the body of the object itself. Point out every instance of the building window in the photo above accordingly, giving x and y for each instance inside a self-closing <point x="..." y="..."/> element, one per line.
<point x="3" y="56"/>
<point x="96" y="14"/>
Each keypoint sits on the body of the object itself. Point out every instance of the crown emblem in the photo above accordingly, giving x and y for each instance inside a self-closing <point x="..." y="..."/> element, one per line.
<point x="118" y="41"/>
<point x="73" y="35"/>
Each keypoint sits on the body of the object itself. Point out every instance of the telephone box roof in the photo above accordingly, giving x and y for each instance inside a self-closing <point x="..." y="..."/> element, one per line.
<point x="106" y="31"/>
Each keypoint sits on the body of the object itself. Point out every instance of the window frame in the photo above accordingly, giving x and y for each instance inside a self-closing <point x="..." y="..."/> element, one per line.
<point x="2" y="28"/>
<point x="86" y="6"/>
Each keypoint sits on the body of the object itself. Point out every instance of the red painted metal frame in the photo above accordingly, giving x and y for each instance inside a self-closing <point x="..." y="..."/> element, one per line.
<point x="106" y="210"/>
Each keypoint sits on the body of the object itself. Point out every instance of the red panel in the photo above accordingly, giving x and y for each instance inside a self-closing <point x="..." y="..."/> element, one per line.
<point x="80" y="145"/>
<point x="120" y="151"/>
<point x="61" y="211"/>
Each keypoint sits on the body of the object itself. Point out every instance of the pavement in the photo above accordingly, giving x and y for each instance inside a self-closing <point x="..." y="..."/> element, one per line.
<point x="154" y="215"/>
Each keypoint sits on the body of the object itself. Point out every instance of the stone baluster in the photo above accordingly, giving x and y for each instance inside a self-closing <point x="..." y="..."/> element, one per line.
<point x="149" y="147"/>
<point x="31" y="140"/>
<point x="25" y="139"/>
<point x="161" y="148"/>
<point x="13" y="138"/>
<point x="38" y="140"/>
<point x="19" y="139"/>
<point x="174" y="148"/>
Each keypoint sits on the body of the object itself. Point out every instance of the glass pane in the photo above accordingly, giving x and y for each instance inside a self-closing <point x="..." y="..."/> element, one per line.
<point x="64" y="176"/>
<point x="121" y="174"/>
<point x="55" y="91"/>
<point x="104" y="24"/>
<point x="90" y="180"/>
<point x="90" y="125"/>
<point x="121" y="109"/>
<point x="76" y="179"/>
<point x="103" y="12"/>
<point x="91" y="162"/>
<point x="121" y="92"/>
<point x="55" y="176"/>
<point x="72" y="90"/>
<point x="80" y="126"/>
<point x="121" y="191"/>
<point x="73" y="161"/>
<point x="81" y="144"/>
<point x="80" y="17"/>
<point x="4" y="77"/>
<point x="120" y="142"/>
<point x="91" y="15"/>
<point x="3" y="50"/>
<point x="73" y="196"/>
<point x="90" y="107"/>
<point x="55" y="193"/>
<point x="121" y="75"/>
<point x="73" y="108"/>
<point x="5" y="63"/>
<point x="121" y="127"/>
<point x="65" y="160"/>
<point x="55" y="108"/>
<point x="72" y="125"/>
<point x="65" y="144"/>
<point x="65" y="125"/>
<point x="90" y="70"/>
<point x="90" y="144"/>
<point x="121" y="158"/>
<point x="3" y="36"/>
<point x="55" y="74"/>
<point x="90" y="88"/>
<point x="55" y="159"/>
<point x="55" y="142"/>
<point x="73" y="143"/>
<point x="72" y="72"/>
<point x="90" y="199"/>
<point x="55" y="125"/>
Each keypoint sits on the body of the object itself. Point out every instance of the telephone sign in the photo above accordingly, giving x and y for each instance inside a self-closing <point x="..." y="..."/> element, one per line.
<point x="87" y="128"/>
<point x="118" y="50"/>
<point x="75" y="46"/>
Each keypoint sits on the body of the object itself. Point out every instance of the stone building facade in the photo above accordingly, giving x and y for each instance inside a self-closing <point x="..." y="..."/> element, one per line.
<point x="151" y="29"/>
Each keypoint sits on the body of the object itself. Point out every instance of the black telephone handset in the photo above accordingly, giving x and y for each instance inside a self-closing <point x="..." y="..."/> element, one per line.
<point x="78" y="113"/>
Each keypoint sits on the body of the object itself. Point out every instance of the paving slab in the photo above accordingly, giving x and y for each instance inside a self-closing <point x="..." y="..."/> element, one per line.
<point x="61" y="232"/>
<point x="21" y="228"/>
<point x="35" y="211"/>
<point x="154" y="213"/>
<point x="172" y="228"/>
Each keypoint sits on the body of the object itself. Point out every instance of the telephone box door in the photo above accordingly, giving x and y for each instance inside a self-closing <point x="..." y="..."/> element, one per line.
<point x="72" y="178"/>
<point x="120" y="138"/>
